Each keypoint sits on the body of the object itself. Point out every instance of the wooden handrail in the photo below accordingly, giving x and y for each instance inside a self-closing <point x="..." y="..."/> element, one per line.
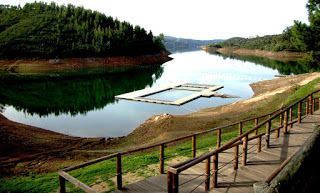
<point x="90" y="162"/>
<point x="159" y="144"/>
<point x="192" y="162"/>
<point x="77" y="183"/>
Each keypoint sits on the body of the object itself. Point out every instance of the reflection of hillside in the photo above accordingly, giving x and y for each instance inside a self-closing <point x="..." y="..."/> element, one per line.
<point x="286" y="68"/>
<point x="76" y="95"/>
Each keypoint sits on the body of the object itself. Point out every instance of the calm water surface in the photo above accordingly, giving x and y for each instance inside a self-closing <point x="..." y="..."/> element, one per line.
<point x="86" y="106"/>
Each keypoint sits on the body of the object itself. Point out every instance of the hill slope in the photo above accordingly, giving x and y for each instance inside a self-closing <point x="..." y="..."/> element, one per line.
<point x="47" y="30"/>
<point x="174" y="44"/>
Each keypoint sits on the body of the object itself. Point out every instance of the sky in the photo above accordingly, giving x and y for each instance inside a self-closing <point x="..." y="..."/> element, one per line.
<point x="199" y="19"/>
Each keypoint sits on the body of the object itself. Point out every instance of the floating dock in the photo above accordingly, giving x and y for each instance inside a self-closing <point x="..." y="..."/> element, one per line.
<point x="201" y="90"/>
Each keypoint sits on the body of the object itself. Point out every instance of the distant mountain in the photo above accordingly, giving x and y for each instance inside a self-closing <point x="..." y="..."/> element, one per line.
<point x="174" y="44"/>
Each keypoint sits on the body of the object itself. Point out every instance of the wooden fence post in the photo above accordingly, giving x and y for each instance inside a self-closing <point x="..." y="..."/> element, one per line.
<point x="259" y="144"/>
<point x="119" y="171"/>
<point x="172" y="182"/>
<point x="169" y="182"/>
<point x="161" y="159"/>
<point x="240" y="128"/>
<point x="285" y="127"/>
<point x="218" y="138"/>
<point x="268" y="128"/>
<point x="207" y="182"/>
<point x="194" y="146"/>
<point x="299" y="112"/>
<point x="215" y="170"/>
<point x="236" y="157"/>
<point x="291" y="118"/>
<point x="311" y="104"/>
<point x="62" y="183"/>
<point x="307" y="106"/>
<point x="256" y="122"/>
<point x="244" y="150"/>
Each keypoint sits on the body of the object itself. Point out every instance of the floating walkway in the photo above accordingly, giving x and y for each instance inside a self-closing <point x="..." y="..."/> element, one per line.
<point x="201" y="90"/>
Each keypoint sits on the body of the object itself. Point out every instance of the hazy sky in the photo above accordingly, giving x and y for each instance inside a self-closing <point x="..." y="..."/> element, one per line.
<point x="199" y="19"/>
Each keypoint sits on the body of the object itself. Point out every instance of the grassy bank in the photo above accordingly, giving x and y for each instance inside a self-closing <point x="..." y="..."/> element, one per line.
<point x="140" y="165"/>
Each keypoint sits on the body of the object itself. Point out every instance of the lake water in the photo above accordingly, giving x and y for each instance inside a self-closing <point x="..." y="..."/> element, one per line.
<point x="86" y="106"/>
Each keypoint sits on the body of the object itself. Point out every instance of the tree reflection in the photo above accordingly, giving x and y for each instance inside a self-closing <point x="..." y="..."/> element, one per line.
<point x="74" y="94"/>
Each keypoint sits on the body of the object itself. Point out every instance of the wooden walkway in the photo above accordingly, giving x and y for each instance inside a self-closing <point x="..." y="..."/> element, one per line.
<point x="259" y="166"/>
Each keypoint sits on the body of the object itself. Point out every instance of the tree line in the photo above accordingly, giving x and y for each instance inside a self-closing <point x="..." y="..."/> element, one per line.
<point x="49" y="30"/>
<point x="299" y="37"/>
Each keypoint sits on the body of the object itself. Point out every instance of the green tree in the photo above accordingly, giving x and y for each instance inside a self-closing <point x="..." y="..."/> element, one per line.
<point x="48" y="30"/>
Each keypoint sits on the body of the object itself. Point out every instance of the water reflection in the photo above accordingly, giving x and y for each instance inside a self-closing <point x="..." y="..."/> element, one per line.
<point x="286" y="68"/>
<point x="74" y="95"/>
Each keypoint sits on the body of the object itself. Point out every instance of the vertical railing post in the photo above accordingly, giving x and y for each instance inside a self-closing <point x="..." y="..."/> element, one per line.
<point x="215" y="162"/>
<point x="218" y="138"/>
<point x="244" y="150"/>
<point x="281" y="119"/>
<point x="268" y="128"/>
<point x="259" y="144"/>
<point x="119" y="171"/>
<point x="169" y="182"/>
<point x="316" y="104"/>
<point x="240" y="128"/>
<point x="285" y="126"/>
<point x="307" y="106"/>
<point x="256" y="122"/>
<point x="311" y="104"/>
<point x="172" y="182"/>
<point x="236" y="157"/>
<point x="161" y="159"/>
<point x="291" y="118"/>
<point x="299" y="112"/>
<point x="194" y="146"/>
<point x="207" y="182"/>
<point x="62" y="183"/>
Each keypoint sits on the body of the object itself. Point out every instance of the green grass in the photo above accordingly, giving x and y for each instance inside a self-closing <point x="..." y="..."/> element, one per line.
<point x="303" y="91"/>
<point x="136" y="164"/>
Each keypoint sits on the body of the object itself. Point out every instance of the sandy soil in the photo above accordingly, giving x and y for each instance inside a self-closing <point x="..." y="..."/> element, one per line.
<point x="56" y="65"/>
<point x="40" y="150"/>
<point x="281" y="56"/>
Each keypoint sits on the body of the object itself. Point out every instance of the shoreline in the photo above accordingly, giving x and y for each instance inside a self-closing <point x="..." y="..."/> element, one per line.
<point x="283" y="56"/>
<point x="28" y="144"/>
<point x="32" y="66"/>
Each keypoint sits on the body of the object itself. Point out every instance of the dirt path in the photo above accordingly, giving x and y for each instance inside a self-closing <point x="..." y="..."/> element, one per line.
<point x="41" y="150"/>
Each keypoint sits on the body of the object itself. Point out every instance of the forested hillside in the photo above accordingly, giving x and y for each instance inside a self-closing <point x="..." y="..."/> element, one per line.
<point x="174" y="44"/>
<point x="299" y="37"/>
<point x="47" y="30"/>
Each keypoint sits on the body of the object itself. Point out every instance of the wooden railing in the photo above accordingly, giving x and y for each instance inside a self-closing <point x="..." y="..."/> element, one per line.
<point x="286" y="116"/>
<point x="174" y="171"/>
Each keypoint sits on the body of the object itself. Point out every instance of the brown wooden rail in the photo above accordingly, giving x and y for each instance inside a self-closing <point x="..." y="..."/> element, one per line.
<point x="286" y="121"/>
<point x="242" y="138"/>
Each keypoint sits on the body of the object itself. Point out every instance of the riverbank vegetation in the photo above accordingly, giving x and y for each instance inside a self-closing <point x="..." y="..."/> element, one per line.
<point x="300" y="37"/>
<point x="40" y="30"/>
